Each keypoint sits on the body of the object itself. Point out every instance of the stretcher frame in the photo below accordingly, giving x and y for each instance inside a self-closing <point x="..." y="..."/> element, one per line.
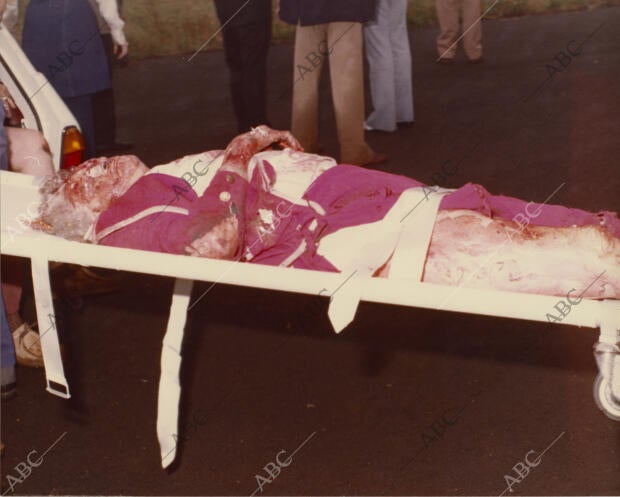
<point x="18" y="192"/>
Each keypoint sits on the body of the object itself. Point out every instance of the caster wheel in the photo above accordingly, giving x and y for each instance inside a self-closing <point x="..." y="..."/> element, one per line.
<point x="605" y="400"/>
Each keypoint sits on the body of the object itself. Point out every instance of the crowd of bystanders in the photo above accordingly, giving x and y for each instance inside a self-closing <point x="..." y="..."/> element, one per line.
<point x="338" y="30"/>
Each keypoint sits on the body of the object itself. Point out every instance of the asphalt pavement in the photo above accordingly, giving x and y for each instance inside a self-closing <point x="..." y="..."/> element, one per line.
<point x="405" y="401"/>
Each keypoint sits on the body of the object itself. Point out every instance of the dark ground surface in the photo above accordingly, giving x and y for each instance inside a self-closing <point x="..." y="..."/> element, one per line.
<point x="263" y="372"/>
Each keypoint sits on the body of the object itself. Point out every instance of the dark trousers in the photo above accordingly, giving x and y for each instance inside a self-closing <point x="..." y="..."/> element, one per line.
<point x="6" y="340"/>
<point x="82" y="109"/>
<point x="103" y="103"/>
<point x="246" y="50"/>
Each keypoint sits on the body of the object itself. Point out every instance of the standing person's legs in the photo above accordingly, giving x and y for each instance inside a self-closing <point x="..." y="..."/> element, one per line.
<point x="232" y="51"/>
<point x="448" y="17"/>
<point x="8" y="351"/>
<point x="82" y="109"/>
<point x="26" y="342"/>
<point x="401" y="50"/>
<point x="381" y="69"/>
<point x="309" y="41"/>
<point x="472" y="27"/>
<point x="104" y="115"/>
<point x="7" y="354"/>
<point x="347" y="80"/>
<point x="255" y="47"/>
<point x="12" y="283"/>
<point x="6" y="340"/>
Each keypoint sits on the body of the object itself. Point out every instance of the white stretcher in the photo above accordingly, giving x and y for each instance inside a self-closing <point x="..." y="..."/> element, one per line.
<point x="19" y="201"/>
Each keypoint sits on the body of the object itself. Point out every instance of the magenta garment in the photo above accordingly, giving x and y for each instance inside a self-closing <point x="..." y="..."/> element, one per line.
<point x="475" y="197"/>
<point x="351" y="194"/>
<point x="167" y="230"/>
<point x="275" y="244"/>
<point x="348" y="196"/>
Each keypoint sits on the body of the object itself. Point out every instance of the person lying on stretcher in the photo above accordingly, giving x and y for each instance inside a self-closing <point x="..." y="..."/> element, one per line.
<point x="288" y="208"/>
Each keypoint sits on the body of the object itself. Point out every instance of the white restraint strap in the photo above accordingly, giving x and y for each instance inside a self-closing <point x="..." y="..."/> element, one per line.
<point x="48" y="332"/>
<point x="405" y="230"/>
<point x="169" y="384"/>
<point x="415" y="237"/>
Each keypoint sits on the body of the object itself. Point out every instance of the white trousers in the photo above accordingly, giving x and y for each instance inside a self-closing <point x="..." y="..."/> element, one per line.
<point x="389" y="59"/>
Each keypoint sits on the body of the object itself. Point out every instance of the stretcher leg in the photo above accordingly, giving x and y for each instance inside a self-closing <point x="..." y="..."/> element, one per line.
<point x="607" y="354"/>
<point x="48" y="333"/>
<point x="169" y="383"/>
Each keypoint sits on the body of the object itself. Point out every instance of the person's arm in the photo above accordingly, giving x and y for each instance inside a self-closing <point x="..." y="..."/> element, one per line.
<point x="109" y="12"/>
<point x="10" y="15"/>
<point x="11" y="112"/>
<point x="241" y="149"/>
<point x="29" y="152"/>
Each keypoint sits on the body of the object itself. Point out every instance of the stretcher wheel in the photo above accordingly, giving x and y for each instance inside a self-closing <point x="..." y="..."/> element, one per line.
<point x="604" y="399"/>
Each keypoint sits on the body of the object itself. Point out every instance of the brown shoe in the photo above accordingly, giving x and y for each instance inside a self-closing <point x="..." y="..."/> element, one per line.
<point x="376" y="158"/>
<point x="445" y="60"/>
<point x="78" y="281"/>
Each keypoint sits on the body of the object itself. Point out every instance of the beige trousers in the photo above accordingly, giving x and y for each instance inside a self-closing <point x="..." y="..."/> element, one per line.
<point x="342" y="43"/>
<point x="448" y="16"/>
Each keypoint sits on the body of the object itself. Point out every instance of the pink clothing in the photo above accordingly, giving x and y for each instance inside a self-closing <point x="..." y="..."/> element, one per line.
<point x="346" y="191"/>
<point x="161" y="213"/>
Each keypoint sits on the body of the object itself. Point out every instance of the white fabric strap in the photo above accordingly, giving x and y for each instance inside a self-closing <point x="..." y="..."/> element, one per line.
<point x="345" y="300"/>
<point x="169" y="384"/>
<point x="48" y="332"/>
<point x="415" y="237"/>
<point x="374" y="242"/>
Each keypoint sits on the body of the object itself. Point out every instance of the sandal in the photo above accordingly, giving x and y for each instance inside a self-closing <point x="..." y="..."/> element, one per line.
<point x="27" y="347"/>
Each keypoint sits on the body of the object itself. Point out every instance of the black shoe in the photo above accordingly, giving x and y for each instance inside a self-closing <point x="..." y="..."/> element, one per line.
<point x="8" y="391"/>
<point x="405" y="124"/>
